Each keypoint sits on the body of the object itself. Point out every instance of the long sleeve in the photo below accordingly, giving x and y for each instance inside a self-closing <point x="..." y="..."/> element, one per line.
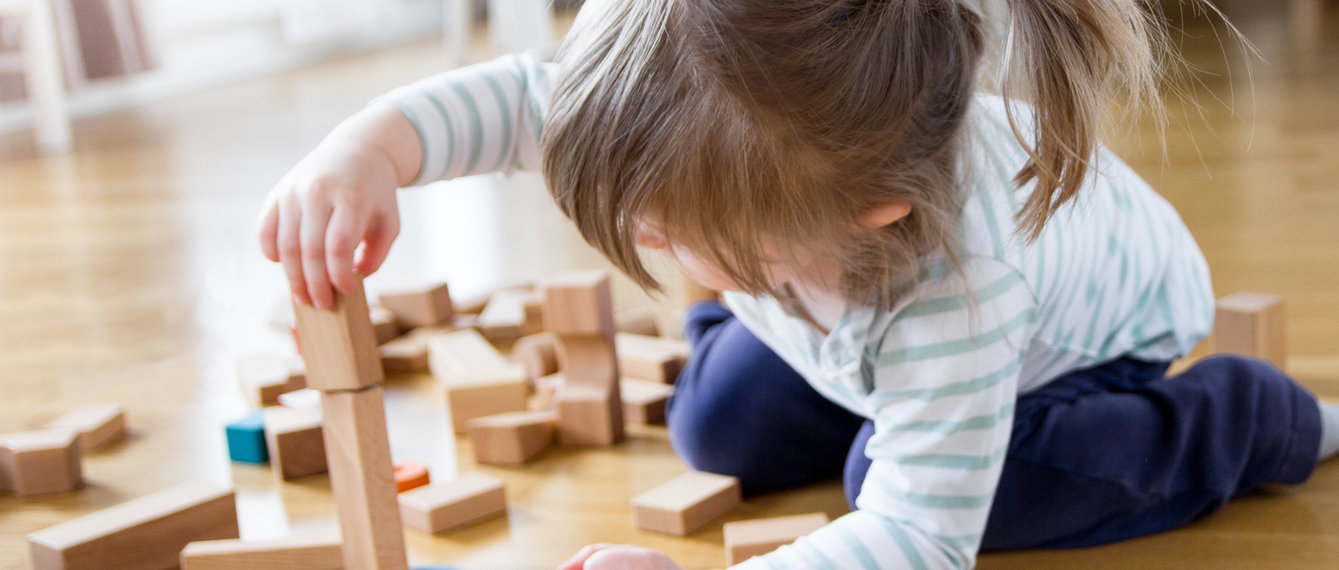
<point x="940" y="383"/>
<point x="482" y="118"/>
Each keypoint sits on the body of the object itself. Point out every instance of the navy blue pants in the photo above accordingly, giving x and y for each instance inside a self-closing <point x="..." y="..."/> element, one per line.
<point x="1100" y="455"/>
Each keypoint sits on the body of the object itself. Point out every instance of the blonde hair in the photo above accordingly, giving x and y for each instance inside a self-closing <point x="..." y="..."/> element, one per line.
<point x="733" y="122"/>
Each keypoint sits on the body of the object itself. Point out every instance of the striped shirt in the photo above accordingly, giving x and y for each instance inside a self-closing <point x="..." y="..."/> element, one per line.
<point x="1115" y="274"/>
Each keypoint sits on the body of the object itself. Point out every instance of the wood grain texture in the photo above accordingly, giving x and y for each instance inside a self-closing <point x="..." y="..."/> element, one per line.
<point x="756" y="537"/>
<point x="98" y="425"/>
<point x="339" y="343"/>
<point x="1251" y="324"/>
<point x="301" y="553"/>
<point x="362" y="478"/>
<point x="686" y="503"/>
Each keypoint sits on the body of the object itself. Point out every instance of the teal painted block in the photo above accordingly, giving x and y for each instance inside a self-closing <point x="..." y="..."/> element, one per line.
<point x="246" y="439"/>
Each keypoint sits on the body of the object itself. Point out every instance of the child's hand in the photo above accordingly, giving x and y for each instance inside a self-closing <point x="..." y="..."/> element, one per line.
<point x="618" y="557"/>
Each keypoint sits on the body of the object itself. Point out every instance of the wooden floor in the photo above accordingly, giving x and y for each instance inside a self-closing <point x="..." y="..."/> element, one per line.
<point x="129" y="273"/>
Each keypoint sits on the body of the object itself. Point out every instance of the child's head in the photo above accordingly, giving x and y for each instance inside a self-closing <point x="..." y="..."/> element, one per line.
<point x="758" y="132"/>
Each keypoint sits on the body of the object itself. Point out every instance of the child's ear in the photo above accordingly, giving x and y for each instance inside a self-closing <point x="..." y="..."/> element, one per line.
<point x="880" y="215"/>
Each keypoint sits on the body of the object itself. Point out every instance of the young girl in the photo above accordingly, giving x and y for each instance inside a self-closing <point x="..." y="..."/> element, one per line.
<point x="960" y="302"/>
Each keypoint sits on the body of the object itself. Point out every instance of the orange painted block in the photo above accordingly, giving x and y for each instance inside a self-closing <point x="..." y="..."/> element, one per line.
<point x="410" y="475"/>
<point x="512" y="438"/>
<point x="97" y="425"/>
<point x="651" y="358"/>
<point x="746" y="539"/>
<point x="438" y="507"/>
<point x="644" y="401"/>
<point x="537" y="353"/>
<point x="686" y="503"/>
<point x="339" y="344"/>
<point x="362" y="478"/>
<point x="148" y="532"/>
<point x="384" y="325"/>
<point x="579" y="303"/>
<point x="303" y="553"/>
<point x="40" y="462"/>
<point x="1251" y="324"/>
<point x="296" y="442"/>
<point x="419" y="306"/>
<point x="263" y="377"/>
<point x="589" y="416"/>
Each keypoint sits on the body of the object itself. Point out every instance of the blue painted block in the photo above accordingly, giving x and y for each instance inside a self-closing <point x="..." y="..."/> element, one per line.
<point x="246" y="439"/>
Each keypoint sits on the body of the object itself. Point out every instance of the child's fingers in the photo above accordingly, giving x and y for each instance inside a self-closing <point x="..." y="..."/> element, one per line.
<point x="315" y="220"/>
<point x="341" y="242"/>
<point x="290" y="248"/>
<point x="578" y="560"/>
<point x="377" y="243"/>
<point x="267" y="229"/>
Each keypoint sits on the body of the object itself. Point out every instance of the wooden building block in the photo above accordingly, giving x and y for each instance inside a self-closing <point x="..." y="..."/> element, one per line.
<point x="442" y="506"/>
<point x="588" y="415"/>
<point x="588" y="360"/>
<point x="264" y="376"/>
<point x="546" y="389"/>
<point x="420" y="306"/>
<point x="410" y="475"/>
<point x="578" y="303"/>
<point x="537" y="353"/>
<point x="534" y="312"/>
<point x="746" y="539"/>
<point x="339" y="344"/>
<point x="97" y="425"/>
<point x="148" y="532"/>
<point x="637" y="320"/>
<point x="384" y="325"/>
<point x="644" y="401"/>
<point x="405" y="354"/>
<point x="1251" y="324"/>
<point x="512" y="438"/>
<point x="466" y="357"/>
<point x="362" y="478"/>
<point x="302" y="553"/>
<point x="650" y="358"/>
<point x="686" y="503"/>
<point x="246" y="439"/>
<point x="468" y="400"/>
<point x="504" y="318"/>
<point x="295" y="442"/>
<point x="40" y="462"/>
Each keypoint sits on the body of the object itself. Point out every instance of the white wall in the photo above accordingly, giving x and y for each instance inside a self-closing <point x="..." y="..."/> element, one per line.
<point x="205" y="43"/>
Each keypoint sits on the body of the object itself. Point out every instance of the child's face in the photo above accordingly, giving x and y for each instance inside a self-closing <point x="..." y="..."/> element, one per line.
<point x="701" y="270"/>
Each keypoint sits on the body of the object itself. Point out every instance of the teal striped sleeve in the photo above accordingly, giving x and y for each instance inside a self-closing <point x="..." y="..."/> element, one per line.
<point x="477" y="119"/>
<point x="945" y="384"/>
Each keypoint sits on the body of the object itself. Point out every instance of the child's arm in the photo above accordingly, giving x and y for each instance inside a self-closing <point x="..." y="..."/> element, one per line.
<point x="339" y="202"/>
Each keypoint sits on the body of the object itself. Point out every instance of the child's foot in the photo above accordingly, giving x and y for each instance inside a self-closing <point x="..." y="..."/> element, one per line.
<point x="1329" y="429"/>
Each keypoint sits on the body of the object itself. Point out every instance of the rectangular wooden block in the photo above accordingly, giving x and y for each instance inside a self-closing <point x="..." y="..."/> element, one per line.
<point x="578" y="303"/>
<point x="503" y="318"/>
<point x="405" y="354"/>
<point x="295" y="442"/>
<point x="466" y="357"/>
<point x="384" y="325"/>
<point x="746" y="539"/>
<point x="686" y="503"/>
<point x="148" y="532"/>
<point x="419" y="306"/>
<point x="637" y="320"/>
<point x="511" y="438"/>
<point x="362" y="478"/>
<point x="1251" y="324"/>
<point x="304" y="553"/>
<point x="537" y="354"/>
<point x="588" y="360"/>
<point x="466" y="401"/>
<point x="650" y="358"/>
<point x="644" y="401"/>
<point x="41" y="462"/>
<point x="339" y="344"/>
<point x="97" y="425"/>
<point x="263" y="377"/>
<point x="546" y="389"/>
<point x="588" y="416"/>
<point x="442" y="506"/>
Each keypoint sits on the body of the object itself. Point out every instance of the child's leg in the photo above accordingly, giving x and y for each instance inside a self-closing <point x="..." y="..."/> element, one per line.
<point x="738" y="409"/>
<point x="1115" y="452"/>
